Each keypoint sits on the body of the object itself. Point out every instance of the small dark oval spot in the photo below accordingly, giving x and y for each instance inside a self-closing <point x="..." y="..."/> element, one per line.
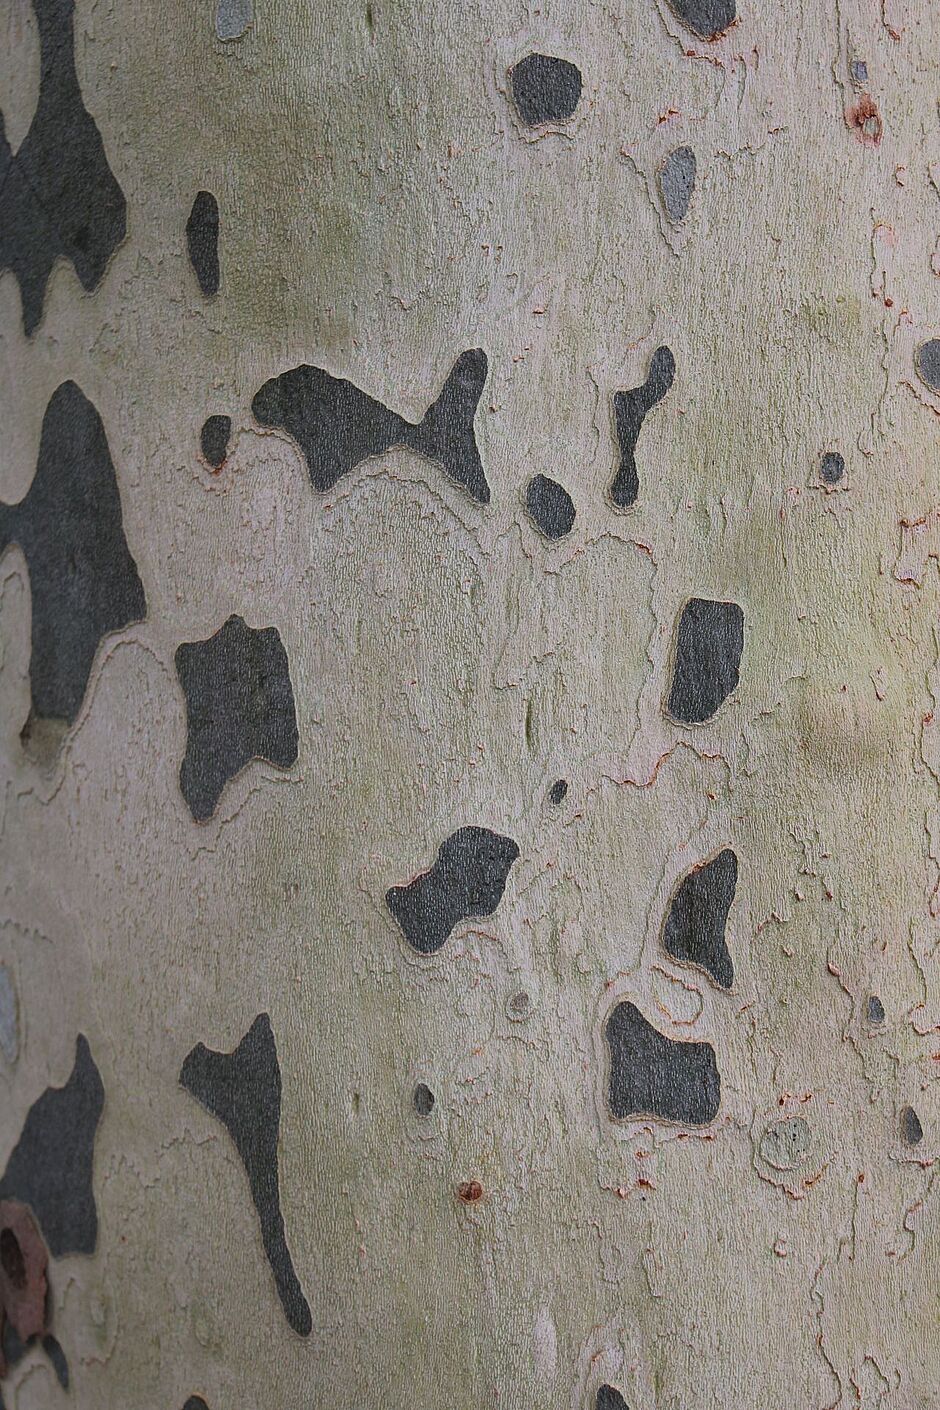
<point x="831" y="467"/>
<point x="470" y="1192"/>
<point x="11" y="1259"/>
<point x="912" y="1133"/>
<point x="677" y="182"/>
<point x="195" y="1402"/>
<point x="859" y="70"/>
<point x="214" y="439"/>
<point x="927" y="362"/>
<point x="202" y="241"/>
<point x="609" y="1399"/>
<point x="558" y="791"/>
<point x="549" y="506"/>
<point x="876" y="1009"/>
<point x="423" y="1099"/>
<point x="519" y="1005"/>
<point x="545" y="89"/>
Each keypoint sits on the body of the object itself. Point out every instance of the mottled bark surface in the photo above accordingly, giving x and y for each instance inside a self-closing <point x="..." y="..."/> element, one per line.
<point x="464" y="1217"/>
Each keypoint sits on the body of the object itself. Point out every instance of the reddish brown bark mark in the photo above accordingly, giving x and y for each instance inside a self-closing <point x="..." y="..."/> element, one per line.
<point x="864" y="120"/>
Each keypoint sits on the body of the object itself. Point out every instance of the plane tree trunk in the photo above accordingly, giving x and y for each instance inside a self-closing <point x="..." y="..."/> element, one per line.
<point x="468" y="663"/>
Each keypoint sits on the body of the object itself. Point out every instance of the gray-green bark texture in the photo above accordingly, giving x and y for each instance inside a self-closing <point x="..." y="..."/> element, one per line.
<point x="618" y="1094"/>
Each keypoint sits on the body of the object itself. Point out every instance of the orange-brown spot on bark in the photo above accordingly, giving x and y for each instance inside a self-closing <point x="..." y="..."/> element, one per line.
<point x="470" y="1192"/>
<point x="864" y="119"/>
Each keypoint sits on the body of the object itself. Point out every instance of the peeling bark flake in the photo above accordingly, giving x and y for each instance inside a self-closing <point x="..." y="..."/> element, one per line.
<point x="58" y="195"/>
<point x="831" y="467"/>
<point x="83" y="581"/>
<point x="677" y="183"/>
<point x="202" y="241"/>
<point x="876" y="1010"/>
<point x="709" y="643"/>
<point x="337" y="426"/>
<point x="467" y="880"/>
<point x="232" y="18"/>
<point x="214" y="440"/>
<point x="707" y="18"/>
<point x="652" y="1075"/>
<point x="545" y="89"/>
<point x="694" y="932"/>
<point x="912" y="1133"/>
<point x="242" y="1089"/>
<point x="550" y="507"/>
<point x="630" y="411"/>
<point x="239" y="707"/>
<point x="51" y="1166"/>
<point x="927" y="362"/>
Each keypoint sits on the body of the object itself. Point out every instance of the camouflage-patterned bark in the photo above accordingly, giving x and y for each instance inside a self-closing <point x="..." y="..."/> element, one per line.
<point x="468" y="661"/>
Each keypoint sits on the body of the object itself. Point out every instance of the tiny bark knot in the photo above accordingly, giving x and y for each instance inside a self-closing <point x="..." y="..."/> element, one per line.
<point x="470" y="1192"/>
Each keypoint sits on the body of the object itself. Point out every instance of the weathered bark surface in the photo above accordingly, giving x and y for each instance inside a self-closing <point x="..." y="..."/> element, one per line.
<point x="382" y="210"/>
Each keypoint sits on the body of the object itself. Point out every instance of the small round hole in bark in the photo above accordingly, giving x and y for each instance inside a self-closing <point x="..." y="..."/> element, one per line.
<point x="556" y="794"/>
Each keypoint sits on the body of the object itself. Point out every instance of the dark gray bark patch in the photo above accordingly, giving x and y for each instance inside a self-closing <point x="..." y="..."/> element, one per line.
<point x="912" y="1133"/>
<point x="214" y="438"/>
<point x="51" y="1166"/>
<point x="195" y="1402"/>
<point x="423" y="1099"/>
<point x="652" y="1075"/>
<point x="558" y="791"/>
<point x="545" y="89"/>
<point x="831" y="467"/>
<point x="694" y="932"/>
<point x="202" y="241"/>
<point x="709" y="644"/>
<point x="677" y="183"/>
<point x="609" y="1399"/>
<point x="243" y="1090"/>
<point x="927" y="362"/>
<point x="467" y="880"/>
<point x="58" y="196"/>
<point x="630" y="411"/>
<point x="239" y="707"/>
<point x="83" y="581"/>
<point x="549" y="506"/>
<point x="337" y="426"/>
<point x="707" y="18"/>
<point x="232" y="18"/>
<point x="876" y="1009"/>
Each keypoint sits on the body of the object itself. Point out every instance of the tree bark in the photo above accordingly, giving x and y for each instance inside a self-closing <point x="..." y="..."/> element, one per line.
<point x="468" y="615"/>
